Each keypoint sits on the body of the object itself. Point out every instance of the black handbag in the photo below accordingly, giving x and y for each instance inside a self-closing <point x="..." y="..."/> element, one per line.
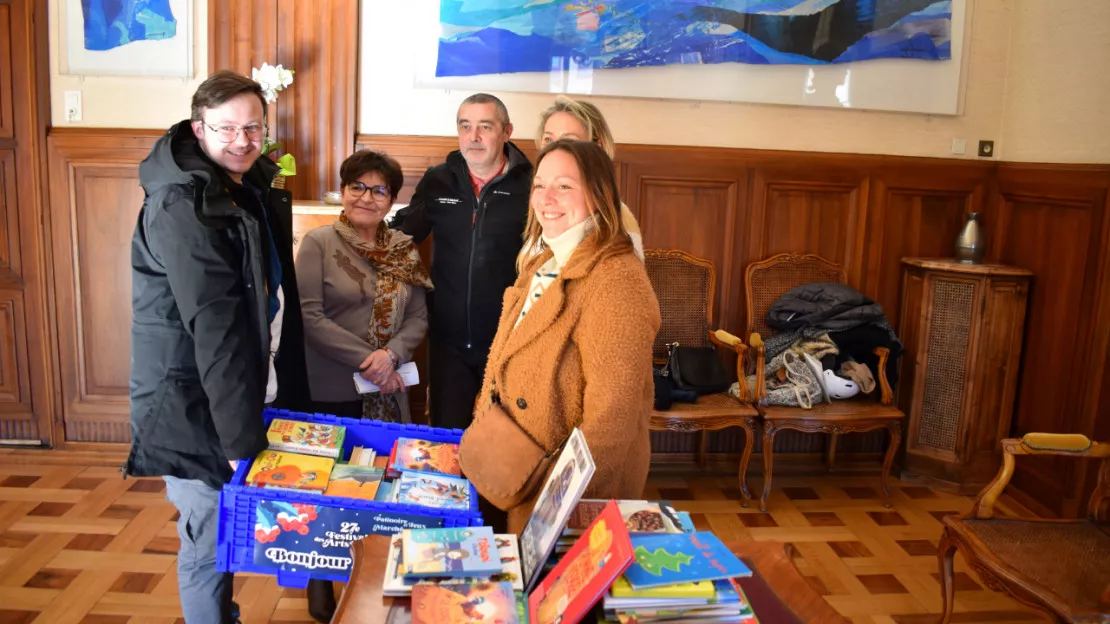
<point x="697" y="368"/>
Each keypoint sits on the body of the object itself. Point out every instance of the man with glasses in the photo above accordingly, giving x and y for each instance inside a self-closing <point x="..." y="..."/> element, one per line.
<point x="212" y="339"/>
<point x="475" y="206"/>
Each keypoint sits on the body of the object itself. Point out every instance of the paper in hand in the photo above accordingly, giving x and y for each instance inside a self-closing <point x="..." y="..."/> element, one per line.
<point x="407" y="371"/>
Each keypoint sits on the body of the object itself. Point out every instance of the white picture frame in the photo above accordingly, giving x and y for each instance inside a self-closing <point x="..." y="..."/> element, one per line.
<point x="169" y="58"/>
<point x="898" y="85"/>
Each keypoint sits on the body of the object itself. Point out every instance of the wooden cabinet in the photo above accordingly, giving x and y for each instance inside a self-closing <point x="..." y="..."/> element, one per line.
<point x="962" y="329"/>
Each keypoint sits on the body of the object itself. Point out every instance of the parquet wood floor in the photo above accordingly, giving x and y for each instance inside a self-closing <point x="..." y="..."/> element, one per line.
<point x="79" y="545"/>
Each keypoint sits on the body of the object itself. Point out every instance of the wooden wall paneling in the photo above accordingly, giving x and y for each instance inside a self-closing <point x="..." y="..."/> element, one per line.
<point x="810" y="207"/>
<point x="315" y="118"/>
<point x="691" y="214"/>
<point x="695" y="201"/>
<point x="1053" y="221"/>
<point x="95" y="198"/>
<point x="915" y="211"/>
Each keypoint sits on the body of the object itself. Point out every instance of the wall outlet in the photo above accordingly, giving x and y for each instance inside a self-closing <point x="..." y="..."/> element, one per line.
<point x="73" y="106"/>
<point x="986" y="149"/>
<point x="959" y="146"/>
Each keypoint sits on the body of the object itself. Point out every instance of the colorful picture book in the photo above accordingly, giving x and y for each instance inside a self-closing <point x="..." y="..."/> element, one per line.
<point x="431" y="490"/>
<point x="598" y="558"/>
<point x="461" y="551"/>
<point x="560" y="494"/>
<point x="510" y="555"/>
<point x="666" y="559"/>
<point x="294" y="436"/>
<point x="640" y="516"/>
<point x="464" y="602"/>
<point x="290" y="471"/>
<point x="414" y="455"/>
<point x="354" y="481"/>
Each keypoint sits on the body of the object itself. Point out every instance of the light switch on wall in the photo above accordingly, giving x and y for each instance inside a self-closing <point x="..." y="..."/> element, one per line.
<point x="73" y="106"/>
<point x="959" y="146"/>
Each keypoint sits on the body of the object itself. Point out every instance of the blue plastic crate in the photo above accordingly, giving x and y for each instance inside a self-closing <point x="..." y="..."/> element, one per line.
<point x="325" y="553"/>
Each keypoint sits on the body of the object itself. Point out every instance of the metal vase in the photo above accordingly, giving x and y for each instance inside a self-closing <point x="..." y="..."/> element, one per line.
<point x="970" y="244"/>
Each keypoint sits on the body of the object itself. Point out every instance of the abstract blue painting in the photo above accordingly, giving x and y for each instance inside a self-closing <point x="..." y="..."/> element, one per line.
<point x="112" y="23"/>
<point x="481" y="37"/>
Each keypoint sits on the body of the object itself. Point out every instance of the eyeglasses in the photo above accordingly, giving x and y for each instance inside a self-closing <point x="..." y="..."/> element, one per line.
<point x="227" y="134"/>
<point x="380" y="192"/>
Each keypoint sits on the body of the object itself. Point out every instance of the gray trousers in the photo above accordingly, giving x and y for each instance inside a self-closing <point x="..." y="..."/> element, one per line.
<point x="206" y="595"/>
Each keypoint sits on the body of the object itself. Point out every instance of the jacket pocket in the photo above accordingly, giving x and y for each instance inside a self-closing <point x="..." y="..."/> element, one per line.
<point x="183" y="421"/>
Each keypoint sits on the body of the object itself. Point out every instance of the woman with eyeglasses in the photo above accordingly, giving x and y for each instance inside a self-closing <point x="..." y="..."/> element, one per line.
<point x="362" y="288"/>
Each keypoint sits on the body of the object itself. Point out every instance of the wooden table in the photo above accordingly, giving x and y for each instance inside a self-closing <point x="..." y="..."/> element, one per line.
<point x="777" y="591"/>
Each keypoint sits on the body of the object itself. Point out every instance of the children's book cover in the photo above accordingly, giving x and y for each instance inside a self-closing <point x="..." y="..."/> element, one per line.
<point x="560" y="494"/>
<point x="465" y="602"/>
<point x="665" y="559"/>
<point x="640" y="516"/>
<point x="415" y="455"/>
<point x="354" y="481"/>
<point x="460" y="551"/>
<point x="600" y="556"/>
<point x="290" y="471"/>
<point x="430" y="490"/>
<point x="295" y="436"/>
<point x="510" y="568"/>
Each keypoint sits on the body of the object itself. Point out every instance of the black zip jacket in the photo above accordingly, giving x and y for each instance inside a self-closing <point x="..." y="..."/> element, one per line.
<point x="476" y="242"/>
<point x="200" y="334"/>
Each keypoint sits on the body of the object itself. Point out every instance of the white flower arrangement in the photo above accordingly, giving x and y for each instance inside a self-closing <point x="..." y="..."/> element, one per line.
<point x="272" y="79"/>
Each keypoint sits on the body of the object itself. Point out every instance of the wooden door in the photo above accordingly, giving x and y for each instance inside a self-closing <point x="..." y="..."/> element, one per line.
<point x="25" y="404"/>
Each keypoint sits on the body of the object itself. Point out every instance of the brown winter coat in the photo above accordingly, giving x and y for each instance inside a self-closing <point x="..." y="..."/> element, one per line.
<point x="581" y="356"/>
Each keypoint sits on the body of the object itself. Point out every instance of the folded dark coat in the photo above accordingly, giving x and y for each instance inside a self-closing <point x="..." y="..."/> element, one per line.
<point x="853" y="321"/>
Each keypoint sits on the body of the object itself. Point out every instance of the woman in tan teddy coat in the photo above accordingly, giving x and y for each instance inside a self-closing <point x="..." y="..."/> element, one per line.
<point x="573" y="347"/>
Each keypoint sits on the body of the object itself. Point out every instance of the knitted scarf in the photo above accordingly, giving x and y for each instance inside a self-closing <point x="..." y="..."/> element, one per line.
<point x="397" y="263"/>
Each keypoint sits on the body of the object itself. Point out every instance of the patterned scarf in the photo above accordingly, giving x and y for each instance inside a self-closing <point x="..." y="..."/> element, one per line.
<point x="393" y="255"/>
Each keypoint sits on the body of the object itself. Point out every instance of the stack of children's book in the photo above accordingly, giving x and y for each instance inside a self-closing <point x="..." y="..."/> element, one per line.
<point x="465" y="574"/>
<point x="301" y="456"/>
<point x="309" y="457"/>
<point x="629" y="561"/>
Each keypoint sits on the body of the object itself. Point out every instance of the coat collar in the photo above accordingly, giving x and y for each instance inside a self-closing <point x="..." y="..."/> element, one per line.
<point x="549" y="307"/>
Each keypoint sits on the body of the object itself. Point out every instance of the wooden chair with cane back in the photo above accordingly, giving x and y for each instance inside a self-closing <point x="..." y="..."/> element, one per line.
<point x="685" y="286"/>
<point x="767" y="280"/>
<point x="1059" y="567"/>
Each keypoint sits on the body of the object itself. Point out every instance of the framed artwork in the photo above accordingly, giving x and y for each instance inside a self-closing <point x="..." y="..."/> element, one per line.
<point x="898" y="55"/>
<point x="126" y="37"/>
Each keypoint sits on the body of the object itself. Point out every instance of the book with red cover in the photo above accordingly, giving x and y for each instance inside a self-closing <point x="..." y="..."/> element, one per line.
<point x="583" y="575"/>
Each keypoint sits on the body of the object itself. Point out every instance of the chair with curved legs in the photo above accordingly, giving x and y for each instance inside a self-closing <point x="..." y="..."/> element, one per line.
<point x="685" y="287"/>
<point x="1059" y="567"/>
<point x="768" y="280"/>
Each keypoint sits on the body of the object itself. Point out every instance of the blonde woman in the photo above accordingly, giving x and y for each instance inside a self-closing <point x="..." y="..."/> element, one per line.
<point x="581" y="121"/>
